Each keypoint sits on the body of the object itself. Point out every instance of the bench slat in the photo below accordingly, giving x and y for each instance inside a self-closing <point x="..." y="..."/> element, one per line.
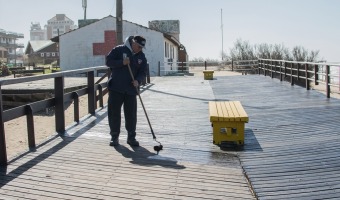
<point x="230" y="115"/>
<point x="213" y="111"/>
<point x="242" y="113"/>
<point x="227" y="111"/>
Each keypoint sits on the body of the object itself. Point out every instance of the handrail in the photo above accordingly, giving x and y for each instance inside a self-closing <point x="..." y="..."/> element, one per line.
<point x="58" y="101"/>
<point x="303" y="62"/>
<point x="300" y="72"/>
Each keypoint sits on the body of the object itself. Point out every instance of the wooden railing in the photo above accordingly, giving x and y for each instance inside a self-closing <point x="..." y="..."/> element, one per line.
<point x="303" y="73"/>
<point x="58" y="101"/>
<point x="243" y="66"/>
<point x="300" y="73"/>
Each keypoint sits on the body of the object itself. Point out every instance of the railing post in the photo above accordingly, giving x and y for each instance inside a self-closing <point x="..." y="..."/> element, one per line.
<point x="91" y="93"/>
<point x="30" y="127"/>
<point x="205" y="65"/>
<point x="281" y="75"/>
<point x="3" y="153"/>
<point x="100" y="96"/>
<point x="291" y="74"/>
<point x="285" y="68"/>
<point x="328" y="87"/>
<point x="258" y="66"/>
<point x="316" y="75"/>
<point x="76" y="106"/>
<point x="59" y="105"/>
<point x="307" y="76"/>
<point x="232" y="65"/>
<point x="148" y="73"/>
<point x="298" y="71"/>
<point x="271" y="69"/>
<point x="159" y="68"/>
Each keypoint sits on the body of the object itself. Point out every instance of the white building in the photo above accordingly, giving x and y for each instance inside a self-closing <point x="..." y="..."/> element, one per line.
<point x="88" y="46"/>
<point x="37" y="33"/>
<point x="58" y="25"/>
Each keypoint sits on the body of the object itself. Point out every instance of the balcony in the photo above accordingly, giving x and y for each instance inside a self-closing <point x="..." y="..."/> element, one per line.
<point x="15" y="35"/>
<point x="12" y="45"/>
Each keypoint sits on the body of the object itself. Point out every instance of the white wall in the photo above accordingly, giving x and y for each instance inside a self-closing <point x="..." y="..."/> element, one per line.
<point x="76" y="47"/>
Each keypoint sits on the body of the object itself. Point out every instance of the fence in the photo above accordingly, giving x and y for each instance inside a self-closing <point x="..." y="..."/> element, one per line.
<point x="58" y="101"/>
<point x="175" y="68"/>
<point x="303" y="73"/>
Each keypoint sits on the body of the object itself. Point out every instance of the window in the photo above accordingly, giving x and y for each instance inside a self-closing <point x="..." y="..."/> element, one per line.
<point x="41" y="54"/>
<point x="53" y="54"/>
<point x="47" y="54"/>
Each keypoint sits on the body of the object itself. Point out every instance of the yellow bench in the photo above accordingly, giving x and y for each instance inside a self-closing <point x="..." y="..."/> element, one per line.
<point x="228" y="120"/>
<point x="208" y="74"/>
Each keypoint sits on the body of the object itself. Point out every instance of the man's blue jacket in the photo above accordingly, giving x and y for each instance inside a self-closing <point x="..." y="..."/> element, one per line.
<point x="120" y="80"/>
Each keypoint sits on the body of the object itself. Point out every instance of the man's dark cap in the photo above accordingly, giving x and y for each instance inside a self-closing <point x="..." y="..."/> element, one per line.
<point x="140" y="40"/>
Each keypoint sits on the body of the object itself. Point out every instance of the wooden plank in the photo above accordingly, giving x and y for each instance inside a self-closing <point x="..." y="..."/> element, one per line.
<point x="213" y="111"/>
<point x="242" y="113"/>
<point x="220" y="111"/>
<point x="226" y="113"/>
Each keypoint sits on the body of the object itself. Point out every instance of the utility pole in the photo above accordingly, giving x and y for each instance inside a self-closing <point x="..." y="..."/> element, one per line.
<point x="222" y="33"/>
<point x="119" y="21"/>
<point x="84" y="7"/>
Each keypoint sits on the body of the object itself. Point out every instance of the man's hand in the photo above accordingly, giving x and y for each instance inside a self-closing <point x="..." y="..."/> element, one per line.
<point x="126" y="61"/>
<point x="135" y="83"/>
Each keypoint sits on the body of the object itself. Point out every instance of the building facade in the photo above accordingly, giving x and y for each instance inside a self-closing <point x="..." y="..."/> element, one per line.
<point x="42" y="52"/>
<point x="89" y="45"/>
<point x="9" y="45"/>
<point x="59" y="25"/>
<point x="37" y="33"/>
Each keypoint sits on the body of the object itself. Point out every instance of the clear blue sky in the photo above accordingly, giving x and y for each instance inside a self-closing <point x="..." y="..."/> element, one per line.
<point x="313" y="24"/>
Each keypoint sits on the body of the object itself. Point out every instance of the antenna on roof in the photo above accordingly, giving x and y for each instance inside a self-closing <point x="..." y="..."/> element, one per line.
<point x="84" y="7"/>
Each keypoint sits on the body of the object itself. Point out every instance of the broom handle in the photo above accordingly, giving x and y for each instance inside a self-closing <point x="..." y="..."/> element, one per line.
<point x="141" y="101"/>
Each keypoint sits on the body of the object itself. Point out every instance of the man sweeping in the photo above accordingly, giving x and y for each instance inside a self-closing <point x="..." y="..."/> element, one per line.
<point x="122" y="88"/>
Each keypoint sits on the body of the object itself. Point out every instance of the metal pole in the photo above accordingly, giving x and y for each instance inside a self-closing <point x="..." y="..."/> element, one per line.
<point x="119" y="21"/>
<point x="222" y="33"/>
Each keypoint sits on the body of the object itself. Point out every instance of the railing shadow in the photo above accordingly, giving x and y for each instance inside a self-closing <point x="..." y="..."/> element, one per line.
<point x="8" y="176"/>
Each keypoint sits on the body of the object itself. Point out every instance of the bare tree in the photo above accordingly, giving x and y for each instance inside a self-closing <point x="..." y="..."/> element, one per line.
<point x="243" y="50"/>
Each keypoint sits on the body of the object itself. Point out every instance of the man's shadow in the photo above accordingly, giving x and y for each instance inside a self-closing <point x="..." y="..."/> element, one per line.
<point x="142" y="156"/>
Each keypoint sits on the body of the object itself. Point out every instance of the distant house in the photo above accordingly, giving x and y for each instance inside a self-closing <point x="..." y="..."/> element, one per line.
<point x="88" y="45"/>
<point x="9" y="45"/>
<point x="3" y="54"/>
<point x="42" y="51"/>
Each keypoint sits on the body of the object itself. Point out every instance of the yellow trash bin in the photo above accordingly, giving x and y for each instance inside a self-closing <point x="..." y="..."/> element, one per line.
<point x="208" y="74"/>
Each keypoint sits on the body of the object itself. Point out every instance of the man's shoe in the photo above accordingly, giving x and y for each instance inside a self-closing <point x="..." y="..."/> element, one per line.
<point x="133" y="143"/>
<point x="114" y="142"/>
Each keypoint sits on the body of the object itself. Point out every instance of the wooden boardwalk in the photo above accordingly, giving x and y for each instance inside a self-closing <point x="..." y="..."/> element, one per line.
<point x="292" y="140"/>
<point x="291" y="148"/>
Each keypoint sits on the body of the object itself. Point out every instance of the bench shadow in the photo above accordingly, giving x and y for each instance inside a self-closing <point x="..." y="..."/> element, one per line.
<point x="142" y="156"/>
<point x="250" y="143"/>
